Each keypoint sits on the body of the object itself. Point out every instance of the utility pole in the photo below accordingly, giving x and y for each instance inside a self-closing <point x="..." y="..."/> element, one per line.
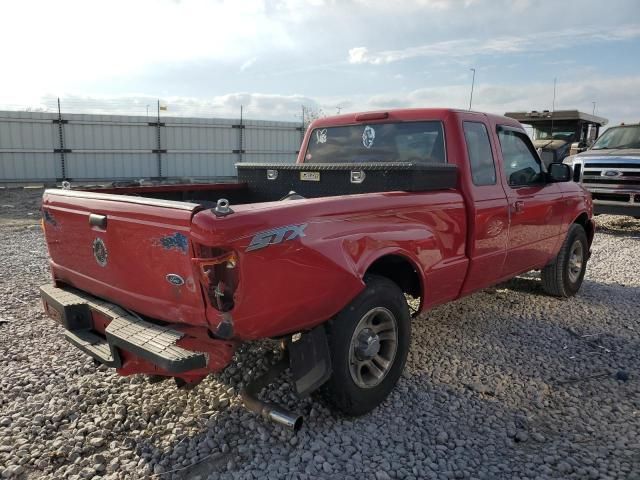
<point x="473" y="81"/>
<point x="553" y="105"/>
<point x="593" y="112"/>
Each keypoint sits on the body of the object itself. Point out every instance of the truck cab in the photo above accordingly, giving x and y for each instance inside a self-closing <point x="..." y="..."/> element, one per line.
<point x="561" y="133"/>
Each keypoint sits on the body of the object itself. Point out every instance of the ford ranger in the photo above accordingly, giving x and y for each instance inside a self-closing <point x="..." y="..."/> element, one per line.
<point x="428" y="204"/>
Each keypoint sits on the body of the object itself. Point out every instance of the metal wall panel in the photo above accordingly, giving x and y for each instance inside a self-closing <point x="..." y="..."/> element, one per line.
<point x="27" y="140"/>
<point x="105" y="147"/>
<point x="202" y="165"/>
<point x="105" y="134"/>
<point x="108" y="166"/>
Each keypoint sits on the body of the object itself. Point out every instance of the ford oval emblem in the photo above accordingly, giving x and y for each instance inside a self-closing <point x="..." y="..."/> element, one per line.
<point x="175" y="279"/>
<point x="611" y="173"/>
<point x="100" y="252"/>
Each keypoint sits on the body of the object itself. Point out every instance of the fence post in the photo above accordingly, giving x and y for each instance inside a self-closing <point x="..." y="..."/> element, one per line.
<point x="61" y="150"/>
<point x="159" y="143"/>
<point x="240" y="145"/>
<point x="302" y="126"/>
<point x="240" y="126"/>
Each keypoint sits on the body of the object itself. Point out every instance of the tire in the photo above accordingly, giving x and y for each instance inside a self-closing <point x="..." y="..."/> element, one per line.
<point x="564" y="276"/>
<point x="356" y="385"/>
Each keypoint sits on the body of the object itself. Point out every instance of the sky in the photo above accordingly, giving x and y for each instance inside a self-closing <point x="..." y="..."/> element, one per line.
<point x="209" y="57"/>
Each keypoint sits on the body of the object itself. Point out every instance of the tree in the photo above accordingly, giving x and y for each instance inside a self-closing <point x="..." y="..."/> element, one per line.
<point x="309" y="114"/>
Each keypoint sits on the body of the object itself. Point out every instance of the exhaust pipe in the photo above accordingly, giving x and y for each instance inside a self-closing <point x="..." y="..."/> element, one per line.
<point x="274" y="413"/>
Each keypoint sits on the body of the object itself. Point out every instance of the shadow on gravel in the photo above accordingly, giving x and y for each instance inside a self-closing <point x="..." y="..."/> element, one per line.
<point x="590" y="290"/>
<point x="228" y="435"/>
<point x="559" y="364"/>
<point x="498" y="378"/>
<point x="618" y="225"/>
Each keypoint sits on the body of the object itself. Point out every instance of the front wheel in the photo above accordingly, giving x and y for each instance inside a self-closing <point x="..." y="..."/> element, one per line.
<point x="564" y="276"/>
<point x="369" y="342"/>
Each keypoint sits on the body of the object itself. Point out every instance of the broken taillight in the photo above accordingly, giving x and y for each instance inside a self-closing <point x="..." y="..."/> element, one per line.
<point x="218" y="274"/>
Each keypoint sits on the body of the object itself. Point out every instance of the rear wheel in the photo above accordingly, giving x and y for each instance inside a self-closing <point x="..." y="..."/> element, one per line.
<point x="369" y="342"/>
<point x="564" y="276"/>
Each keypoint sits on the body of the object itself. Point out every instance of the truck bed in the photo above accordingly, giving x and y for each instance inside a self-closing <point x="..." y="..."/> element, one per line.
<point x="268" y="182"/>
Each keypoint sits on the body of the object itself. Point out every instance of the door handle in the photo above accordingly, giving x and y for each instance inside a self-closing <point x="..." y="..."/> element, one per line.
<point x="99" y="221"/>
<point x="518" y="206"/>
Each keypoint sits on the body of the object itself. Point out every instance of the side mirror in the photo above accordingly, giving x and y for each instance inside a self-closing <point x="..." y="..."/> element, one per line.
<point x="559" y="172"/>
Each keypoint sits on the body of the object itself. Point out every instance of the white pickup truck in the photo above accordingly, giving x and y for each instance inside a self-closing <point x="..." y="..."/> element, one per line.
<point x="610" y="170"/>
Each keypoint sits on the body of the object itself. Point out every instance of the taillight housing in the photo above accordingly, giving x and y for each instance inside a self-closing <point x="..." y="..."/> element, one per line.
<point x="219" y="276"/>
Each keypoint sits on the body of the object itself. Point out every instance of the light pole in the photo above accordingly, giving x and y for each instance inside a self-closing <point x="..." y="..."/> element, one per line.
<point x="473" y="81"/>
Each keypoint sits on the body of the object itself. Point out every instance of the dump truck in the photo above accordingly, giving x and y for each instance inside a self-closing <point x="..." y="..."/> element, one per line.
<point x="560" y="133"/>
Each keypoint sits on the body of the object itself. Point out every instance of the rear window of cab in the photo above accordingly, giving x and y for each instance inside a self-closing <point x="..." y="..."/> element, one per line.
<point x="412" y="142"/>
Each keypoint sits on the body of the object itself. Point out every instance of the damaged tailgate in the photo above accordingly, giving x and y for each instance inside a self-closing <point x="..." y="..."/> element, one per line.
<point x="132" y="251"/>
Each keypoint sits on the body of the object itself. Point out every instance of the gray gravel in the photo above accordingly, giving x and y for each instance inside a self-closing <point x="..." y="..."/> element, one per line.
<point x="507" y="383"/>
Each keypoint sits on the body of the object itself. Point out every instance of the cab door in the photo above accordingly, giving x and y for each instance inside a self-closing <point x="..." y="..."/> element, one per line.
<point x="488" y="208"/>
<point x="535" y="205"/>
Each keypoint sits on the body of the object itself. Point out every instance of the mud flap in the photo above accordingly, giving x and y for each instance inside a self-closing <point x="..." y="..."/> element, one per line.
<point x="310" y="360"/>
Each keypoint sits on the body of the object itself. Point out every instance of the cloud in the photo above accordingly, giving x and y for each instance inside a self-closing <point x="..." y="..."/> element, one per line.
<point x="114" y="40"/>
<point x="248" y="64"/>
<point x="255" y="105"/>
<point x="534" y="42"/>
<point x="297" y="52"/>
<point x="610" y="93"/>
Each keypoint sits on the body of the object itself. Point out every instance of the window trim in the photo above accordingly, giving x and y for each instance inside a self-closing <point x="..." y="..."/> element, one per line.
<point x="493" y="160"/>
<point x="355" y="124"/>
<point x="531" y="149"/>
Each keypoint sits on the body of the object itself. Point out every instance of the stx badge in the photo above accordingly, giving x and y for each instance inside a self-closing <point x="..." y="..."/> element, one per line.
<point x="276" y="235"/>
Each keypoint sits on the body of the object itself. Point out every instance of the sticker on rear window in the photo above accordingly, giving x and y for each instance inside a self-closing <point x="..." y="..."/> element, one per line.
<point x="321" y="136"/>
<point x="368" y="136"/>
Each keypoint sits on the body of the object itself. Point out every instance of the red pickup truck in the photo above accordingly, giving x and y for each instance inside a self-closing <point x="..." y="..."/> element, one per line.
<point x="429" y="204"/>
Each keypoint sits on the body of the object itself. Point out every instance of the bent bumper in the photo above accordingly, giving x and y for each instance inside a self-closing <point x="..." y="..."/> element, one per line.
<point x="75" y="311"/>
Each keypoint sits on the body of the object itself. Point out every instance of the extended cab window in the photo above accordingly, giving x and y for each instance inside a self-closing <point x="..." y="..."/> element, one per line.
<point x="521" y="163"/>
<point x="415" y="142"/>
<point x="483" y="169"/>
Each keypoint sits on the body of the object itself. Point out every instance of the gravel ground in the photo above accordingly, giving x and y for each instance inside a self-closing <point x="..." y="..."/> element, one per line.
<point x="507" y="383"/>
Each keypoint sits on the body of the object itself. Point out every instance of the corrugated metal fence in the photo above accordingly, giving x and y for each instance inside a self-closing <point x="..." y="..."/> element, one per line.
<point x="45" y="147"/>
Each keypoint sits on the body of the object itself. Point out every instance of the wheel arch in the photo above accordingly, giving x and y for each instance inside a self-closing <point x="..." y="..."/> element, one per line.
<point x="402" y="271"/>
<point x="587" y="224"/>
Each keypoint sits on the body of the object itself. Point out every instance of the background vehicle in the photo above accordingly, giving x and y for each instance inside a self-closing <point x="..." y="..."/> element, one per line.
<point x="561" y="133"/>
<point x="610" y="170"/>
<point x="430" y="203"/>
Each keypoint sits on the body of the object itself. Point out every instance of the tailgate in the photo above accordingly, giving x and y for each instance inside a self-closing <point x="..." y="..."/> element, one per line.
<point x="132" y="251"/>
